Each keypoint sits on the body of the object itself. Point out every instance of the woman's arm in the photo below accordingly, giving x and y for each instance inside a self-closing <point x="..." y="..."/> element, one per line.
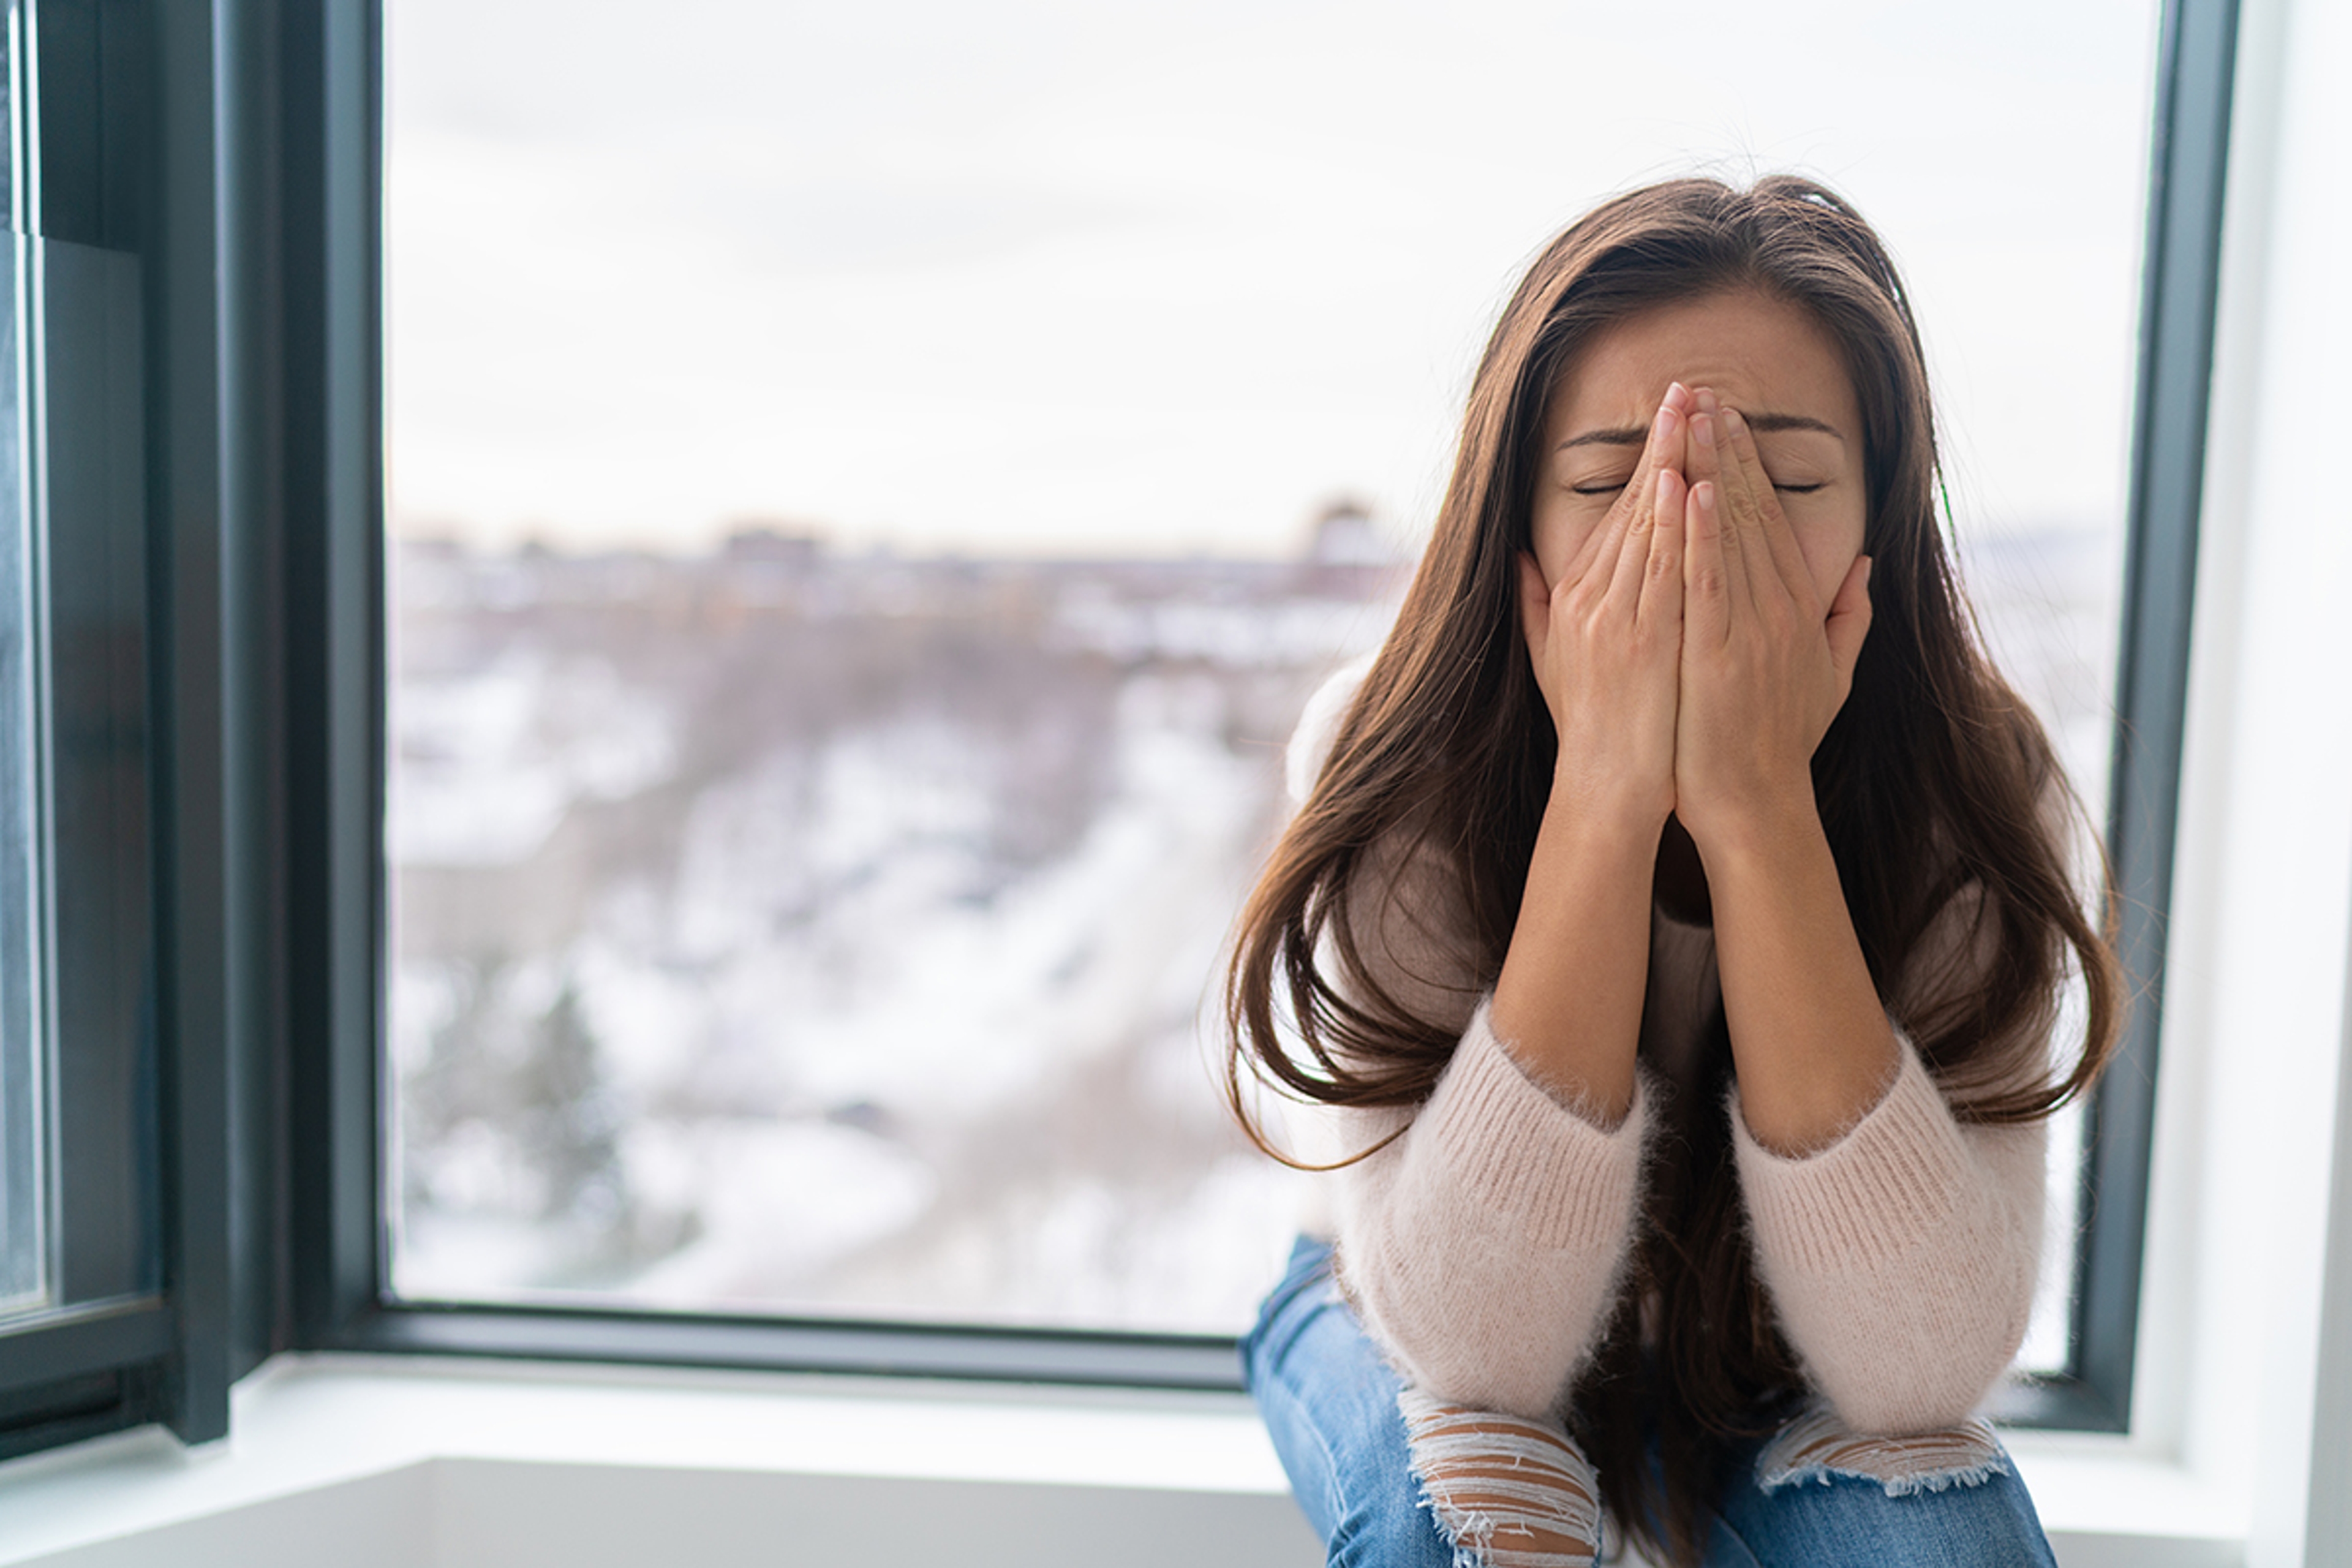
<point x="1483" y="1245"/>
<point x="1604" y="635"/>
<point x="1899" y="1249"/>
<point x="1765" y="669"/>
<point x="1901" y="1258"/>
<point x="1809" y="1039"/>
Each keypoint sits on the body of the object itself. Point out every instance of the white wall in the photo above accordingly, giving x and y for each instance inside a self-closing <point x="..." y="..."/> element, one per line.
<point x="2242" y="1447"/>
<point x="2262" y="907"/>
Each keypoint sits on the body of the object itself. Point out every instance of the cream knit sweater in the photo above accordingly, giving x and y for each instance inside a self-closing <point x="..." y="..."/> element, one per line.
<point x="1485" y="1245"/>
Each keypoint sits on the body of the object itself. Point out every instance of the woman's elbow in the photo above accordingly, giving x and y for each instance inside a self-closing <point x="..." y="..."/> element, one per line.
<point x="1462" y="1345"/>
<point x="1927" y="1373"/>
<point x="1909" y="1407"/>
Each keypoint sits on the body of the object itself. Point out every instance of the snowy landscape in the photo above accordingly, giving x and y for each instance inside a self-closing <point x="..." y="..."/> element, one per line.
<point x="785" y="930"/>
<point x="788" y="932"/>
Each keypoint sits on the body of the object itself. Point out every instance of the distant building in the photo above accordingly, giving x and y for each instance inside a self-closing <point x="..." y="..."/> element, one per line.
<point x="1344" y="534"/>
<point x="1347" y="556"/>
<point x="442" y="547"/>
<point x="770" y="545"/>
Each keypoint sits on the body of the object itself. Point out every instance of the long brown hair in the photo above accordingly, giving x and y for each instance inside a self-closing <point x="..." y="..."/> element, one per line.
<point x="1933" y="786"/>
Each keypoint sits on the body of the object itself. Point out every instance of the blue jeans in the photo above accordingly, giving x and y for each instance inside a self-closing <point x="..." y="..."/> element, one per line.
<point x="1330" y="1401"/>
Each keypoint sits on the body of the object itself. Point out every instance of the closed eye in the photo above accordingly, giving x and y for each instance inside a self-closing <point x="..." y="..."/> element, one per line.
<point x="1609" y="489"/>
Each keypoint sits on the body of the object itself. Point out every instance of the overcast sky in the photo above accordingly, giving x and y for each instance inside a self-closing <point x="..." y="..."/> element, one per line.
<point x="1103" y="278"/>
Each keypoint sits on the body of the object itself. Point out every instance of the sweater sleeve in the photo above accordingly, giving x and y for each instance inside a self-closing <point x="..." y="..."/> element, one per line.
<point x="1483" y="1245"/>
<point x="1902" y="1256"/>
<point x="1483" y="1240"/>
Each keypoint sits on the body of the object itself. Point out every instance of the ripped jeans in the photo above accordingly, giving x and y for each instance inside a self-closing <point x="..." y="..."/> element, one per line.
<point x="1389" y="1479"/>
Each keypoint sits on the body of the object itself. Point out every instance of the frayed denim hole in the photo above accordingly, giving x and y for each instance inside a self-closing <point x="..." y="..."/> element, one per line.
<point x="1817" y="1446"/>
<point x="1509" y="1476"/>
<point x="1465" y="1553"/>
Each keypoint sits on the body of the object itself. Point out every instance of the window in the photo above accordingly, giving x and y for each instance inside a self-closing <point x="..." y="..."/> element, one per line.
<point x="701" y="886"/>
<point x="23" y="1174"/>
<point x="323" y="671"/>
<point x="89" y="1332"/>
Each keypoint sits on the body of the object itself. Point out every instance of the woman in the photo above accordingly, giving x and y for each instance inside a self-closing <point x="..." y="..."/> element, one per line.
<point x="1677" y="920"/>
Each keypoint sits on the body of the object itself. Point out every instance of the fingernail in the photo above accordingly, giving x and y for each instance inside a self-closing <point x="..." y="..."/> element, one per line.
<point x="1703" y="492"/>
<point x="1704" y="428"/>
<point x="1665" y="477"/>
<point x="1733" y="423"/>
<point x="1677" y="395"/>
<point x="1665" y="424"/>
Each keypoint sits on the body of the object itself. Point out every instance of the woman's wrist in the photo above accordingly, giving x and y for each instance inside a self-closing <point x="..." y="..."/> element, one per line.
<point x="1611" y="810"/>
<point x="1762" y="827"/>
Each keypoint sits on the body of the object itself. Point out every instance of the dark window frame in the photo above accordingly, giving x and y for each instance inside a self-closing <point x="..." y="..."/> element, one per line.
<point x="2179" y="303"/>
<point x="2181" y="260"/>
<point x="253" y="182"/>
<point x="124" y="162"/>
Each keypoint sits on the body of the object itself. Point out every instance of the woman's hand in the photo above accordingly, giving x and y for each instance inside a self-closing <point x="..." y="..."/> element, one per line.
<point x="1605" y="638"/>
<point x="1764" y="667"/>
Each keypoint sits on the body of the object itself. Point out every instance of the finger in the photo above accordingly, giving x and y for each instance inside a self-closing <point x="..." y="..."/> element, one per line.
<point x="1849" y="622"/>
<point x="1633" y="551"/>
<point x="1597" y="553"/>
<point x="1604" y="545"/>
<point x="1664" y="451"/>
<point x="1756" y="508"/>
<point x="1706" y="473"/>
<point x="1662" y="582"/>
<point x="1706" y="589"/>
<point x="1669" y="436"/>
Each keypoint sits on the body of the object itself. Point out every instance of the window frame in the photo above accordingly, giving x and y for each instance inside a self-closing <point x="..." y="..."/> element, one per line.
<point x="341" y="927"/>
<point x="124" y="99"/>
<point x="2181" y="292"/>
<point x="259" y="197"/>
<point x="338" y="881"/>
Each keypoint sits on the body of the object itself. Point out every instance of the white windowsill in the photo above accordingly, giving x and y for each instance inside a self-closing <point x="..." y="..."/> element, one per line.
<point x="415" y="1464"/>
<point x="439" y="1464"/>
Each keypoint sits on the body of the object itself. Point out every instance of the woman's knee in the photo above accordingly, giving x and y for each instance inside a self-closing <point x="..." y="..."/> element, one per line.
<point x="1823" y="1492"/>
<point x="1817" y="1447"/>
<point x="1330" y="1401"/>
<point x="1505" y="1493"/>
<point x="1391" y="1478"/>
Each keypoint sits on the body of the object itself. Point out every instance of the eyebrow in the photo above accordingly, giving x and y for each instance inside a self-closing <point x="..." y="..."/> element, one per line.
<point x="1762" y="424"/>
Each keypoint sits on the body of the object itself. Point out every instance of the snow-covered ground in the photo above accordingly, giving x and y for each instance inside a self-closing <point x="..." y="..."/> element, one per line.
<point x="836" y="1009"/>
<point x="833" y="938"/>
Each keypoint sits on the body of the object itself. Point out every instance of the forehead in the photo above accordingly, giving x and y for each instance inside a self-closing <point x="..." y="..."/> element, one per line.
<point x="1756" y="353"/>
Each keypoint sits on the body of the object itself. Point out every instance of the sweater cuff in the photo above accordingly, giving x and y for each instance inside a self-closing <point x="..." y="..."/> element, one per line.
<point x="1525" y="1159"/>
<point x="1894" y="1178"/>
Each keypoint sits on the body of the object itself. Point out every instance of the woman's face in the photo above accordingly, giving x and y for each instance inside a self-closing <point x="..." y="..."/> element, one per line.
<point x="1767" y="359"/>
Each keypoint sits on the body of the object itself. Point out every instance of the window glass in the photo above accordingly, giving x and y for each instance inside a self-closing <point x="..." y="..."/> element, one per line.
<point x="871" y="489"/>
<point x="79" y="1077"/>
<point x="23" y="1188"/>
